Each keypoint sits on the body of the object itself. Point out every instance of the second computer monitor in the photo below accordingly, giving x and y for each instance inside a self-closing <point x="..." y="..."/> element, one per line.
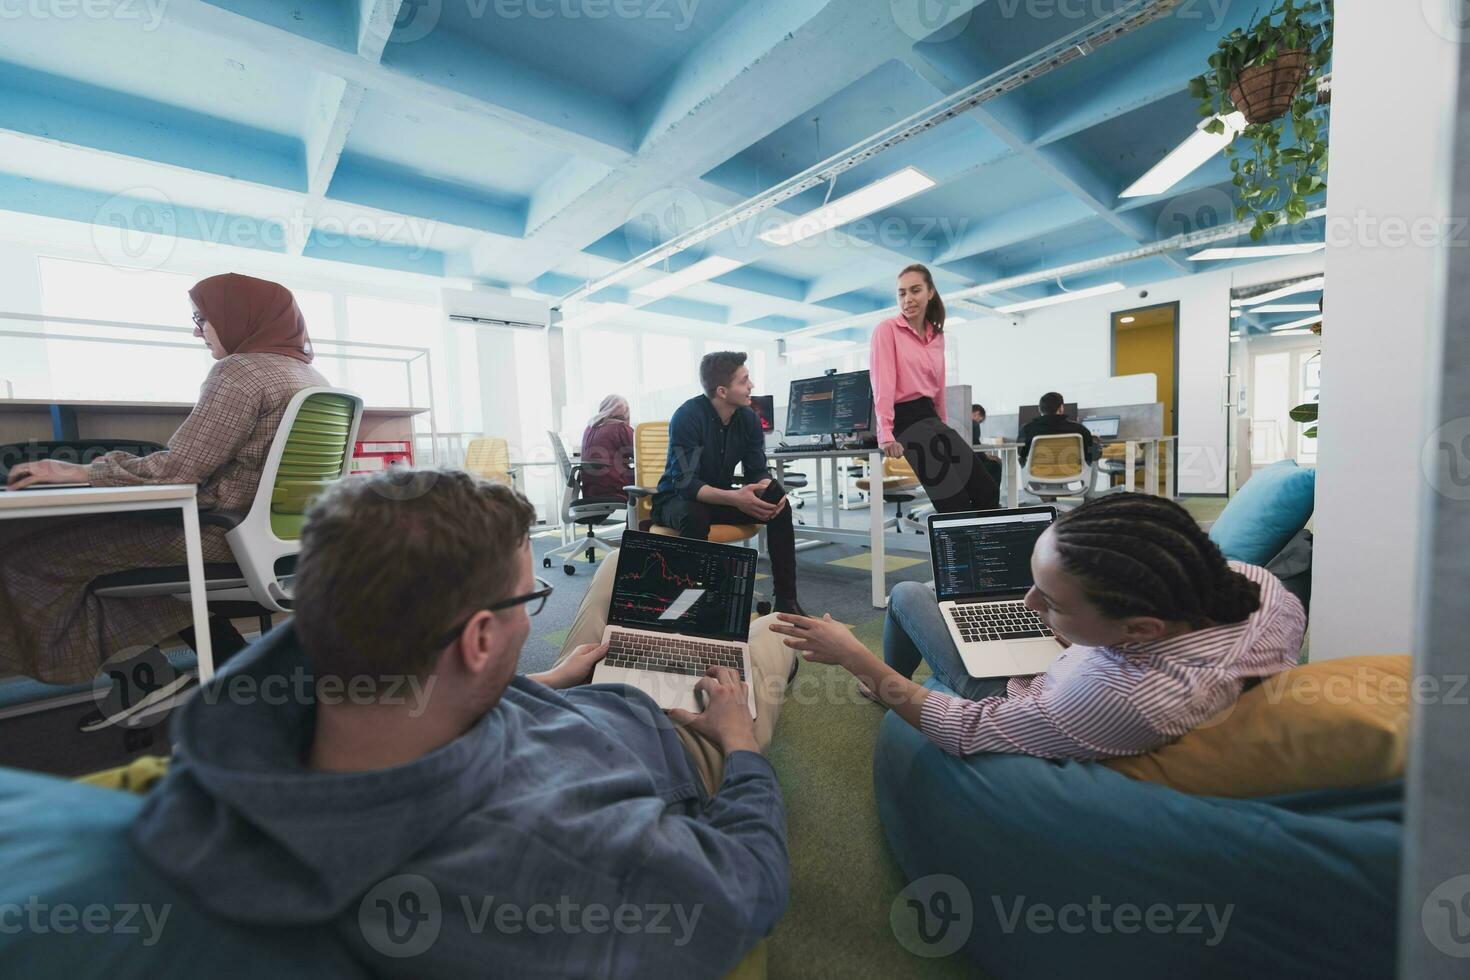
<point x="765" y="407"/>
<point x="833" y="403"/>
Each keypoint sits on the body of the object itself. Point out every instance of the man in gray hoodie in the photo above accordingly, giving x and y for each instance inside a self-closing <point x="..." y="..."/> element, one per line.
<point x="376" y="768"/>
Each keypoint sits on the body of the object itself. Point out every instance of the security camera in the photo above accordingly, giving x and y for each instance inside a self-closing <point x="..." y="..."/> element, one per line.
<point x="1143" y="294"/>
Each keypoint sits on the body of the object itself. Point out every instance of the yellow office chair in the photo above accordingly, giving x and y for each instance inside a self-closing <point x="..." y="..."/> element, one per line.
<point x="650" y="455"/>
<point x="1057" y="466"/>
<point x="489" y="459"/>
<point x="900" y="484"/>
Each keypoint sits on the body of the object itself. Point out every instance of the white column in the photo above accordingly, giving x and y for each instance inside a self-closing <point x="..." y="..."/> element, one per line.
<point x="1390" y="172"/>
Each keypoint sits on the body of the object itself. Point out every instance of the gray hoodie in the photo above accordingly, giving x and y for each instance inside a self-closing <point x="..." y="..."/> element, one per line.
<point x="566" y="834"/>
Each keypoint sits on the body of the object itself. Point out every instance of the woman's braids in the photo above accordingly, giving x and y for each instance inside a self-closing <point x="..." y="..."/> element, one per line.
<point x="1140" y="555"/>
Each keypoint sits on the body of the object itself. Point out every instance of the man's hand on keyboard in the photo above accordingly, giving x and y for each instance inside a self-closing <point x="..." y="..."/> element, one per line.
<point x="576" y="670"/>
<point x="725" y="719"/>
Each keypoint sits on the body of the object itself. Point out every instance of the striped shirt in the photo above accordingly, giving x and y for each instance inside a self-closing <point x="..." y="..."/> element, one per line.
<point x="1099" y="702"/>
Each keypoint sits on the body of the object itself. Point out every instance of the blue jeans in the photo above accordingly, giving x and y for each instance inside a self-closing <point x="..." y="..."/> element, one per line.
<point x="915" y="630"/>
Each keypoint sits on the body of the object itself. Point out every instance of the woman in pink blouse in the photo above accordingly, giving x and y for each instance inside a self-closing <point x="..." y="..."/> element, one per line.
<point x="52" y="627"/>
<point x="906" y="365"/>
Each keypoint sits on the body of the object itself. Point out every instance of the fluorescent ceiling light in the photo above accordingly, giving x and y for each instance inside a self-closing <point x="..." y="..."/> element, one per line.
<point x="1129" y="319"/>
<point x="710" y="268"/>
<point x="1290" y="333"/>
<point x="1298" y="323"/>
<point x="1255" y="251"/>
<point x="1036" y="304"/>
<point x="587" y="314"/>
<point x="1285" y="308"/>
<point x="1313" y="285"/>
<point x="860" y="203"/>
<point x="1187" y="157"/>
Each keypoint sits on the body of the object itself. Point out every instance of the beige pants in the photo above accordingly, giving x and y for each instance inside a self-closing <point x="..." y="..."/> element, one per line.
<point x="770" y="666"/>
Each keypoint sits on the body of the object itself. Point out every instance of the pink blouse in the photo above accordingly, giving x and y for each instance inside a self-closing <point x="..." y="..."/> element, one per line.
<point x="904" y="368"/>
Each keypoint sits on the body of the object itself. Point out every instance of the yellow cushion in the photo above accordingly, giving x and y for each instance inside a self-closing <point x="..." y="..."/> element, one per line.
<point x="1326" y="725"/>
<point x="138" y="776"/>
<point x="718" y="533"/>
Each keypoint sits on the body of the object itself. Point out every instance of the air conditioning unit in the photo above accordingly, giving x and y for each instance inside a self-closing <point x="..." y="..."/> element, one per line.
<point x="489" y="308"/>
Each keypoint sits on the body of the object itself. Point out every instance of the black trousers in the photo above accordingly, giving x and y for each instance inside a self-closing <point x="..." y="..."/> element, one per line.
<point x="992" y="467"/>
<point x="692" y="519"/>
<point x="947" y="467"/>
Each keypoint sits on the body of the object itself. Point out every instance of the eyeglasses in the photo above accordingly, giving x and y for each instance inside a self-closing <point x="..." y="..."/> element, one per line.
<point x="198" y="319"/>
<point x="539" y="597"/>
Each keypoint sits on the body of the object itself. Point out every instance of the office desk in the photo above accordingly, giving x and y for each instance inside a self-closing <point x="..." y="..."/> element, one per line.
<point x="1139" y="453"/>
<point x="80" y="501"/>
<point x="878" y="540"/>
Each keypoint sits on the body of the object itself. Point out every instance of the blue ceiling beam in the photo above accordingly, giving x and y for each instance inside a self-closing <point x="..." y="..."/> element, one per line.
<point x="544" y="109"/>
<point x="369" y="187"/>
<point x="379" y="255"/>
<point x="1164" y="72"/>
<point x="327" y="22"/>
<point x="1015" y="226"/>
<point x="130" y="223"/>
<point x="83" y="115"/>
<point x="690" y="310"/>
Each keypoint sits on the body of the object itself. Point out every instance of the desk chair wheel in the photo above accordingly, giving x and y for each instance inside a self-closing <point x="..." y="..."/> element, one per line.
<point x="569" y="568"/>
<point x="762" y="608"/>
<point x="546" y="563"/>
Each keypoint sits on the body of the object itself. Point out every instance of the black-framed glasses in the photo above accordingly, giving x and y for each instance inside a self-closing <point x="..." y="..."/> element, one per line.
<point x="198" y="319"/>
<point x="539" y="597"/>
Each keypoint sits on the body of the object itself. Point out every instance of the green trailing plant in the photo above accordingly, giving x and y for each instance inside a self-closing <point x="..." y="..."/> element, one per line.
<point x="1286" y="53"/>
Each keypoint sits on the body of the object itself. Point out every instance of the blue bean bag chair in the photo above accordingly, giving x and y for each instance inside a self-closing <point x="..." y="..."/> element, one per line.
<point x="1046" y="869"/>
<point x="77" y="902"/>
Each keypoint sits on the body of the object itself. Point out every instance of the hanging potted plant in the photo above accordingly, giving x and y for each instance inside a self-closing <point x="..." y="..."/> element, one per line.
<point x="1261" y="78"/>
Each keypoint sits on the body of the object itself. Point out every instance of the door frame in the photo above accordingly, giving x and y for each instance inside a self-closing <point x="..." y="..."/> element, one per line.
<point x="1174" y="395"/>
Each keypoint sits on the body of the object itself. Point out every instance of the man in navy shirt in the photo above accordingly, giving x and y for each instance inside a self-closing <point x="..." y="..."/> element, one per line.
<point x="708" y="436"/>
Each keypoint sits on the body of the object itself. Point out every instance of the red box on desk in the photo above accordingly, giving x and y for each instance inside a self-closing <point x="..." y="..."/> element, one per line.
<point x="370" y="457"/>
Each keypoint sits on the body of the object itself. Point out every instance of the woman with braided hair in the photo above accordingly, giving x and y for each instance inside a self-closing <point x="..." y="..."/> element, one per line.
<point x="1162" y="633"/>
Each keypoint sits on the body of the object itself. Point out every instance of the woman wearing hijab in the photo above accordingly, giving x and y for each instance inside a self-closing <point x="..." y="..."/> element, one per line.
<point x="51" y="625"/>
<point x="608" y="441"/>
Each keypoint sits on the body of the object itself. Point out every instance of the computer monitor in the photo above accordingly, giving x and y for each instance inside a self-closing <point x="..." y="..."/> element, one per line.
<point x="833" y="403"/>
<point x="1103" y="426"/>
<point x="1029" y="413"/>
<point x="765" y="407"/>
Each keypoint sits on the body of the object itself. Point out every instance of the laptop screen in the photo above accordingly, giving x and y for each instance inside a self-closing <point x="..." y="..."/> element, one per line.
<point x="986" y="553"/>
<point x="1104" y="426"/>
<point x="680" y="585"/>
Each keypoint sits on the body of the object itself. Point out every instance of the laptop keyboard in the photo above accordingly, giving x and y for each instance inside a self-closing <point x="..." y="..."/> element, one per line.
<point x="982" y="622"/>
<point x="671" y="654"/>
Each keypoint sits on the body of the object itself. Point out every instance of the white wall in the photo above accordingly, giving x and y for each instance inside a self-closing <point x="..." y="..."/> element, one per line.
<point x="20" y="292"/>
<point x="1390" y="168"/>
<point x="1066" y="348"/>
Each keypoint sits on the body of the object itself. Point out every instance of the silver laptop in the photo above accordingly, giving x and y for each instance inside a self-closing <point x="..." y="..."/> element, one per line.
<point x="679" y="606"/>
<point x="982" y="572"/>
<point x="1103" y="426"/>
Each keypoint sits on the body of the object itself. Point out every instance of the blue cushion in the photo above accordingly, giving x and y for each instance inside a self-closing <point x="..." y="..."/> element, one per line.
<point x="1266" y="513"/>
<point x="1310" y="881"/>
<point x="80" y="894"/>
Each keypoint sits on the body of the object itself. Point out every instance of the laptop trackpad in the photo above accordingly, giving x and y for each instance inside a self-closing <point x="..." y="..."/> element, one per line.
<point x="667" y="690"/>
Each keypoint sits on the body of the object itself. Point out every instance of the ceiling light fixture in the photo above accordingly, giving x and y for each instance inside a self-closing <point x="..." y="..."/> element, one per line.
<point x="1313" y="285"/>
<point x="1255" y="251"/>
<point x="1076" y="294"/>
<point x="1295" y="324"/>
<point x="710" y="268"/>
<point x="860" y="203"/>
<point x="1286" y="308"/>
<point x="1187" y="157"/>
<point x="1129" y="319"/>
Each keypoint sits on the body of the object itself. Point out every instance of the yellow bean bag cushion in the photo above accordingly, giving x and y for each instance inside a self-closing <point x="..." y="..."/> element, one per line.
<point x="1326" y="725"/>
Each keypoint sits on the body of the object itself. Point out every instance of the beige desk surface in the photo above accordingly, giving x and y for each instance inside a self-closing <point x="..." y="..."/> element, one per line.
<point x="63" y="497"/>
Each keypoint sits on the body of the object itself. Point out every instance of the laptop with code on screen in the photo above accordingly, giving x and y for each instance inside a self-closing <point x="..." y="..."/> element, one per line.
<point x="679" y="606"/>
<point x="982" y="572"/>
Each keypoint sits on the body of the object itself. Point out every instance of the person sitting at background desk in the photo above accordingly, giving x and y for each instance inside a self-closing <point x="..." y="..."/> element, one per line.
<point x="1053" y="422"/>
<point x="608" y="442"/>
<point x="54" y="629"/>
<point x="988" y="460"/>
<point x="708" y="435"/>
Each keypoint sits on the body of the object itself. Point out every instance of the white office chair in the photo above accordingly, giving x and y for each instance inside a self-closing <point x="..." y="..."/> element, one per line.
<point x="1057" y="466"/>
<point x="591" y="512"/>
